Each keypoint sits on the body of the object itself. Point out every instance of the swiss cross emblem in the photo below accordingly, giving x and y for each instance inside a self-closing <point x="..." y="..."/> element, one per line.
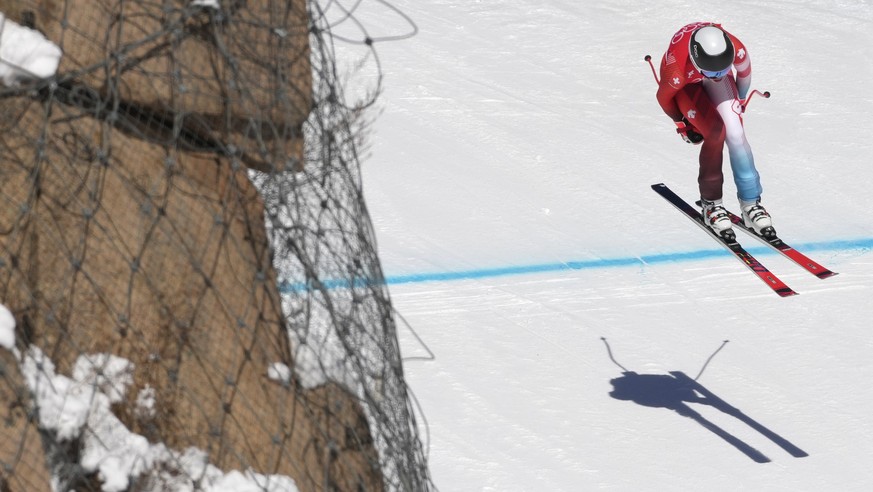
<point x="676" y="81"/>
<point x="742" y="53"/>
<point x="691" y="114"/>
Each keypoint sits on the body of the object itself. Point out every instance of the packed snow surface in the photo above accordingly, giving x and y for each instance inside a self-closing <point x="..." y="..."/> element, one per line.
<point x="509" y="178"/>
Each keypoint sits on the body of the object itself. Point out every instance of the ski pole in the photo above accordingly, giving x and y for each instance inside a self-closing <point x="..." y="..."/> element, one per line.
<point x="648" y="58"/>
<point x="765" y="95"/>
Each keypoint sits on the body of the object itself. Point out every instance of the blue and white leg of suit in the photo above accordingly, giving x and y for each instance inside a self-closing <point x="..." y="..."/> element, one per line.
<point x="723" y="94"/>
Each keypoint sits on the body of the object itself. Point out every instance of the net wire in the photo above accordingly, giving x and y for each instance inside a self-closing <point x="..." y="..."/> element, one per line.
<point x="192" y="296"/>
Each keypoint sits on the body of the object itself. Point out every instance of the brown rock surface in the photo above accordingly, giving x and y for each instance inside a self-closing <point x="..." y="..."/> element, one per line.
<point x="115" y="238"/>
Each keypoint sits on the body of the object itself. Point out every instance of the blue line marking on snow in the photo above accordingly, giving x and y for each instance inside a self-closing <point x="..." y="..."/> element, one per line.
<point x="861" y="244"/>
<point x="759" y="250"/>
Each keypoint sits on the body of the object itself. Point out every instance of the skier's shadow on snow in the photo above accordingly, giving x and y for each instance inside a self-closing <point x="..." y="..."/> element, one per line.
<point x="676" y="390"/>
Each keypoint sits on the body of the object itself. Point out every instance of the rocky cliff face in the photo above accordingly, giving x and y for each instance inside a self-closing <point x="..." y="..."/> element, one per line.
<point x="129" y="226"/>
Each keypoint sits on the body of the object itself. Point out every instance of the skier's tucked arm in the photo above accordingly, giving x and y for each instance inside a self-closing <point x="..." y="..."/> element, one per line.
<point x="667" y="99"/>
<point x="743" y="65"/>
<point x="671" y="82"/>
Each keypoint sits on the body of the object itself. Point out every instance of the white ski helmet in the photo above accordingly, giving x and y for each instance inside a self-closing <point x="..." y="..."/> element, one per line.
<point x="712" y="51"/>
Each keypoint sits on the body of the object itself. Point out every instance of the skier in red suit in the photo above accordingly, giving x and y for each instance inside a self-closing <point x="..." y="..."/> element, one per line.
<point x="700" y="92"/>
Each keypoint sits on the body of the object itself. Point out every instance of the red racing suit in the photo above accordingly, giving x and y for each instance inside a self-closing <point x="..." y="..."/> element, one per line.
<point x="714" y="109"/>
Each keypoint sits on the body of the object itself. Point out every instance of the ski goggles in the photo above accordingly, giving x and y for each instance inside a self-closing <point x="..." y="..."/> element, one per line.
<point x="715" y="75"/>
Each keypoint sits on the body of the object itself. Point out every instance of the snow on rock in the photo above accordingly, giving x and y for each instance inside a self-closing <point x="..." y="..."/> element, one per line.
<point x="205" y="3"/>
<point x="110" y="374"/>
<point x="311" y="370"/>
<point x="63" y="404"/>
<point x="25" y="54"/>
<point x="115" y="453"/>
<point x="235" y="481"/>
<point x="279" y="372"/>
<point x="79" y="407"/>
<point x="145" y="403"/>
<point x="7" y="328"/>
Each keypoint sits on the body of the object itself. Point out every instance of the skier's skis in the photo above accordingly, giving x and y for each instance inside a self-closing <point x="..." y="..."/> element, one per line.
<point x="732" y="245"/>
<point x="786" y="250"/>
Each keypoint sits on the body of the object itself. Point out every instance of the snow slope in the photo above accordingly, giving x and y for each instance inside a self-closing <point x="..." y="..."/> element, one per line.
<point x="508" y="179"/>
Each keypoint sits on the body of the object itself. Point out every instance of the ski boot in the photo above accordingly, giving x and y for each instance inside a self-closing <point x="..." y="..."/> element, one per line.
<point x="716" y="218"/>
<point x="755" y="217"/>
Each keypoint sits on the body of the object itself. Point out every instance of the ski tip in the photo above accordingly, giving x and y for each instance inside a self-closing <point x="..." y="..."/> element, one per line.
<point x="826" y="274"/>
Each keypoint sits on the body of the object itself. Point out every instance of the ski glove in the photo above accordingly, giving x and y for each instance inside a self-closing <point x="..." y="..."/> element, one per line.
<point x="687" y="131"/>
